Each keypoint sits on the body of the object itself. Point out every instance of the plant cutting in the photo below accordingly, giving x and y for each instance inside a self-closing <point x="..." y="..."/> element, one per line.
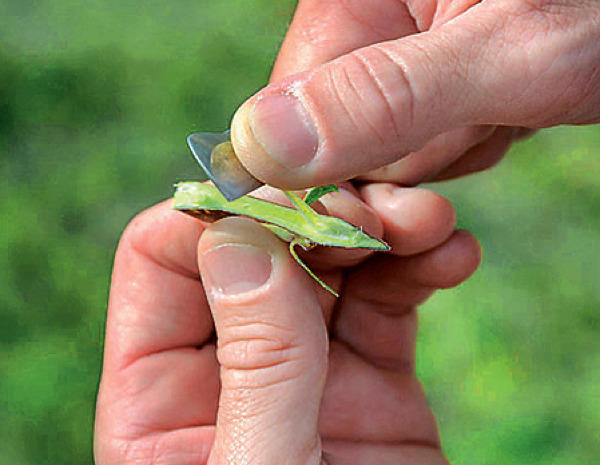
<point x="300" y="226"/>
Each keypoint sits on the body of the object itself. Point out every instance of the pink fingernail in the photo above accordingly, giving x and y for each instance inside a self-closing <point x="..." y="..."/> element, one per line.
<point x="285" y="130"/>
<point x="236" y="268"/>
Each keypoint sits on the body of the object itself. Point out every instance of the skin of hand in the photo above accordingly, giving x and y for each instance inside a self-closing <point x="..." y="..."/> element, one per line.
<point x="293" y="375"/>
<point x="407" y="91"/>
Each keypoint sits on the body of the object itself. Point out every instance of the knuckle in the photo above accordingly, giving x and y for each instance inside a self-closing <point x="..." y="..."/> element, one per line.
<point x="254" y="352"/>
<point x="264" y="353"/>
<point x="258" y="355"/>
<point x="415" y="102"/>
<point x="139" y="229"/>
<point x="393" y="91"/>
<point x="134" y="228"/>
<point x="366" y="94"/>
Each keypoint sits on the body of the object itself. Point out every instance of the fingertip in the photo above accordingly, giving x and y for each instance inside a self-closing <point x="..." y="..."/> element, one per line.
<point x="467" y="253"/>
<point x="246" y="147"/>
<point x="237" y="257"/>
<point x="414" y="219"/>
<point x="165" y="235"/>
<point x="237" y="230"/>
<point x="145" y="223"/>
<point x="451" y="263"/>
<point x="268" y="125"/>
<point x="242" y="262"/>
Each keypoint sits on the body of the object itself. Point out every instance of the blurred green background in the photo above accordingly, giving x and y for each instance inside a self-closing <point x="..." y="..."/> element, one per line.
<point x="96" y="99"/>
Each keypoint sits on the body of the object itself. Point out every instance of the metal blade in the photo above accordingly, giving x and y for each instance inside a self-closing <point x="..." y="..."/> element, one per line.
<point x="215" y="154"/>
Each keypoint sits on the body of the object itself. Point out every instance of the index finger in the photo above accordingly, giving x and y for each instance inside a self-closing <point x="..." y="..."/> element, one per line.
<point x="157" y="301"/>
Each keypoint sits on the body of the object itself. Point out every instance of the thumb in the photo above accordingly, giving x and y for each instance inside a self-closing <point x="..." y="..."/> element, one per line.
<point x="271" y="347"/>
<point x="506" y="63"/>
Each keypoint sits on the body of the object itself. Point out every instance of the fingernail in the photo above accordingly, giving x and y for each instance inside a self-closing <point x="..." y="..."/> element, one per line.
<point x="236" y="268"/>
<point x="284" y="129"/>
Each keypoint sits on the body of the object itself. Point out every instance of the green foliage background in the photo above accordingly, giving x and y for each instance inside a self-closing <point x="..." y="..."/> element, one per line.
<point x="96" y="99"/>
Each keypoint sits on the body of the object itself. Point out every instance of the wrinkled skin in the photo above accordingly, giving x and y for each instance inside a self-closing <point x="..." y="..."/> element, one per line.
<point x="297" y="371"/>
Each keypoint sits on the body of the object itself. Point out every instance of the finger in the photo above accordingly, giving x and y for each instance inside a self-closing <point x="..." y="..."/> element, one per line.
<point x="382" y="293"/>
<point x="437" y="154"/>
<point x="443" y="267"/>
<point x="414" y="219"/>
<point x="451" y="155"/>
<point x="394" y="399"/>
<point x="481" y="157"/>
<point x="366" y="109"/>
<point x="314" y="36"/>
<point x="156" y="301"/>
<point x="157" y="318"/>
<point x="272" y="346"/>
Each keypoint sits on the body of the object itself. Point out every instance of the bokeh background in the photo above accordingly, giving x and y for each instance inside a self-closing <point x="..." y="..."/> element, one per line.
<point x="96" y="99"/>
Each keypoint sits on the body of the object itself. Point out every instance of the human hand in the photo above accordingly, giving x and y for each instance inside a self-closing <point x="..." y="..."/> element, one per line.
<point x="451" y="83"/>
<point x="281" y="389"/>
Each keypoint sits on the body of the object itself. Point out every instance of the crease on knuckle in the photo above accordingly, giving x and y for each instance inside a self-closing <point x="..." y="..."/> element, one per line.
<point x="382" y="87"/>
<point x="338" y="80"/>
<point x="369" y="97"/>
<point x="258" y="355"/>
<point x="400" y="85"/>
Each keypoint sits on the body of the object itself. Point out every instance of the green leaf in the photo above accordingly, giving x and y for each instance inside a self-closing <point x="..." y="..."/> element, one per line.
<point x="317" y="192"/>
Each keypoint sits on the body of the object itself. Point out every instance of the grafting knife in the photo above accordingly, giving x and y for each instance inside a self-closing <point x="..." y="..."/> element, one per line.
<point x="214" y="153"/>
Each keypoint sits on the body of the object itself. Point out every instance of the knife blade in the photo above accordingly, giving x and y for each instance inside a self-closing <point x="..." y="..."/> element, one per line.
<point x="214" y="153"/>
